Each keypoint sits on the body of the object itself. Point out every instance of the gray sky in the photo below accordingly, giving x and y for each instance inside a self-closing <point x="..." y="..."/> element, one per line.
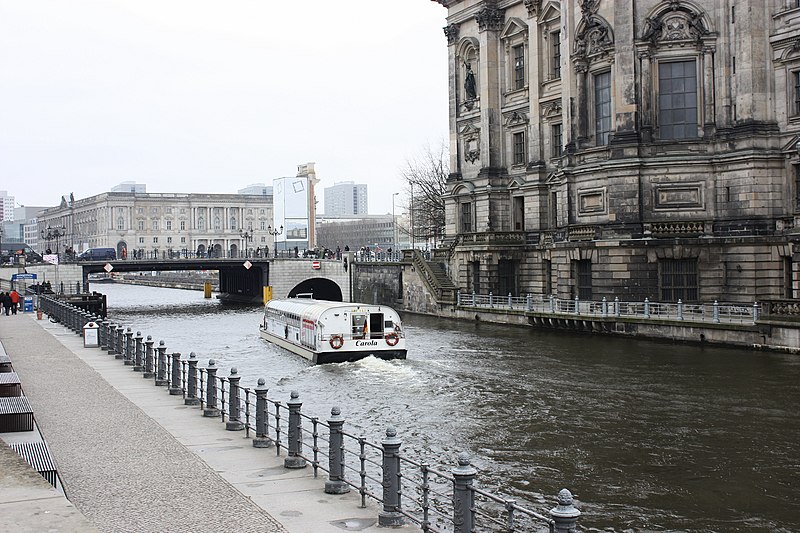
<point x="211" y="96"/>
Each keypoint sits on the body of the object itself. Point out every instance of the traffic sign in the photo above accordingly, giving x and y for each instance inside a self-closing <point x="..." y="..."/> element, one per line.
<point x="316" y="265"/>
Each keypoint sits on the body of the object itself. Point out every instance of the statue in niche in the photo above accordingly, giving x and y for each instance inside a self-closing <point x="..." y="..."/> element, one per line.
<point x="469" y="82"/>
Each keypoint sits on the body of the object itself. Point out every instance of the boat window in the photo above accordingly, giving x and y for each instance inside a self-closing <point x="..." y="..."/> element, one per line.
<point x="359" y="326"/>
<point x="388" y="324"/>
<point x="376" y="326"/>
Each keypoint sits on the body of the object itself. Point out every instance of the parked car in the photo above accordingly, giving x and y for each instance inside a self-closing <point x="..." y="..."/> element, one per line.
<point x="12" y="251"/>
<point x="98" y="254"/>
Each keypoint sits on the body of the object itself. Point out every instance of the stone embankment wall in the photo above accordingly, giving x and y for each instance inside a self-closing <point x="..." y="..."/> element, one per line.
<point x="378" y="283"/>
<point x="172" y="280"/>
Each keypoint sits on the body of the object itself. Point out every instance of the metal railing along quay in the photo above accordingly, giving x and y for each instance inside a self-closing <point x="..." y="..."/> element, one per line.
<point x="437" y="497"/>
<point x="646" y="310"/>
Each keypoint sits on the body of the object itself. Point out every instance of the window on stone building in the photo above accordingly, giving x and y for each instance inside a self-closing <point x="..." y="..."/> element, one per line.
<point x="582" y="277"/>
<point x="140" y="225"/>
<point x="555" y="54"/>
<point x="547" y="268"/>
<point x="602" y="108"/>
<point x="466" y="217"/>
<point x="201" y="223"/>
<point x="263" y="225"/>
<point x="788" y="286"/>
<point x="168" y="210"/>
<point x="677" y="99"/>
<point x="141" y="240"/>
<point x="519" y="66"/>
<point x="474" y="276"/>
<point x="168" y="224"/>
<point x="233" y="223"/>
<point x="678" y="279"/>
<point x="120" y="223"/>
<point x="519" y="213"/>
<point x="506" y="277"/>
<point x="155" y="240"/>
<point x="557" y="136"/>
<point x="797" y="92"/>
<point x="518" y="141"/>
<point x="183" y="225"/>
<point x="183" y="240"/>
<point x="154" y="225"/>
<point x="217" y="223"/>
<point x="169" y="240"/>
<point x="553" y="211"/>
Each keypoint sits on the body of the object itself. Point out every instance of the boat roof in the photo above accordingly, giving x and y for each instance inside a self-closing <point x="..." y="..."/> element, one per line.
<point x="303" y="305"/>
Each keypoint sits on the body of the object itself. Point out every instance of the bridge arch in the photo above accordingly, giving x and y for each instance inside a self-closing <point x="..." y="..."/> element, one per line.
<point x="321" y="288"/>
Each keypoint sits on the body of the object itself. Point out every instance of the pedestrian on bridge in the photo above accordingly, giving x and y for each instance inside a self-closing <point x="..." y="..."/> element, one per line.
<point x="5" y="300"/>
<point x="14" y="297"/>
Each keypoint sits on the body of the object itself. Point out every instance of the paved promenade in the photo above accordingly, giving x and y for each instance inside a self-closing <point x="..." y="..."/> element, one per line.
<point x="133" y="458"/>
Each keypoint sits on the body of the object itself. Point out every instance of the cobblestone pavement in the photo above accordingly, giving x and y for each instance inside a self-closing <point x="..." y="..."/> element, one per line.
<point x="119" y="467"/>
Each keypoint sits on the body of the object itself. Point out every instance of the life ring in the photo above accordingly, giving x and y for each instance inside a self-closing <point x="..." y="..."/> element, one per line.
<point x="392" y="338"/>
<point x="336" y="342"/>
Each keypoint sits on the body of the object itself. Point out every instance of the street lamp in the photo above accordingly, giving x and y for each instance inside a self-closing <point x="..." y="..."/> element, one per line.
<point x="394" y="225"/>
<point x="247" y="236"/>
<point x="275" y="232"/>
<point x="53" y="233"/>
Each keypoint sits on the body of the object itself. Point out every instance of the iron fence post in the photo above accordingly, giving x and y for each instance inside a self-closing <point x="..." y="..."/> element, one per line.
<point x="261" y="440"/>
<point x="191" y="382"/>
<point x="336" y="483"/>
<point x="120" y="342"/>
<point x="715" y="312"/>
<point x="604" y="307"/>
<point x="128" y="360"/>
<point x="529" y="302"/>
<point x="234" y="422"/>
<point x="161" y="375"/>
<point x="148" y="358"/>
<point x="137" y="352"/>
<point x="111" y="338"/>
<point x="473" y="299"/>
<point x="680" y="309"/>
<point x="175" y="384"/>
<point x="755" y="312"/>
<point x="491" y="300"/>
<point x="458" y="298"/>
<point x="510" y="301"/>
<point x="211" y="409"/>
<point x="552" y="304"/>
<point x="616" y="306"/>
<point x="103" y="334"/>
<point x="295" y="434"/>
<point x="463" y="495"/>
<point x="647" y="308"/>
<point x="565" y="515"/>
<point x="390" y="515"/>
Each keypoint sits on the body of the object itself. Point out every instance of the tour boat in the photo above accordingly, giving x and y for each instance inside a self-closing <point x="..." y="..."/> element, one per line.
<point x="333" y="332"/>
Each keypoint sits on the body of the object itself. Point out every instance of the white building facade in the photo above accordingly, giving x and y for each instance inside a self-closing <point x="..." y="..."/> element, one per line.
<point x="346" y="198"/>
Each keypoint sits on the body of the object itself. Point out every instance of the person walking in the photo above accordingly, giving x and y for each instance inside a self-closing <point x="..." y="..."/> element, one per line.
<point x="14" y="296"/>
<point x="5" y="300"/>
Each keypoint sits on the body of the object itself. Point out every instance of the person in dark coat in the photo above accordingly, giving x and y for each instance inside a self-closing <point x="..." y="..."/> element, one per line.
<point x="5" y="299"/>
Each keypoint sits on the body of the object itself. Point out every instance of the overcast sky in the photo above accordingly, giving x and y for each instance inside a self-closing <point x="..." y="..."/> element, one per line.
<point x="212" y="96"/>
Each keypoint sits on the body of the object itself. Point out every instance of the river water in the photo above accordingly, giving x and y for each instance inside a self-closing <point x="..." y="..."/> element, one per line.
<point x="648" y="436"/>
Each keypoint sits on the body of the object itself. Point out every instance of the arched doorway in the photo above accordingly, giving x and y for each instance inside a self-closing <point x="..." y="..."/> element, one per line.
<point x="320" y="288"/>
<point x="201" y="250"/>
<point x="234" y="250"/>
<point x="122" y="250"/>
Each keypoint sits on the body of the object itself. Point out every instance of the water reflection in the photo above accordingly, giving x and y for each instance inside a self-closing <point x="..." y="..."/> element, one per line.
<point x="649" y="436"/>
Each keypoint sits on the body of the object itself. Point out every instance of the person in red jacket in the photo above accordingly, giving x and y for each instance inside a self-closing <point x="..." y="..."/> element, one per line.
<point x="14" y="295"/>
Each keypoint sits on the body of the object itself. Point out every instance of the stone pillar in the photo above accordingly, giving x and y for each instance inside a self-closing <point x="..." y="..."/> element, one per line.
<point x="191" y="382"/>
<point x="234" y="423"/>
<point x="565" y="514"/>
<point x="709" y="118"/>
<point x="646" y="115"/>
<point x="175" y="388"/>
<point x="119" y="344"/>
<point x="336" y="483"/>
<point x="129" y="346"/>
<point x="161" y="372"/>
<point x="390" y="515"/>
<point x="463" y="495"/>
<point x="211" y="409"/>
<point x="261" y="439"/>
<point x="148" y="358"/>
<point x="138" y="352"/>
<point x="295" y="434"/>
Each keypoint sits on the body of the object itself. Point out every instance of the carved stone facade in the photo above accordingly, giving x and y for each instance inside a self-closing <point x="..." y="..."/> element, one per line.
<point x="630" y="148"/>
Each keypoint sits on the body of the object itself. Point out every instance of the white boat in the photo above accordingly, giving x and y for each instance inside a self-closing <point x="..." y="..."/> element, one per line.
<point x="333" y="332"/>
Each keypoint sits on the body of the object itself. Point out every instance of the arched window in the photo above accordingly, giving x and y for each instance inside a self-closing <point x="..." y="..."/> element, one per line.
<point x="233" y="222"/>
<point x="217" y="223"/>
<point x="120" y="223"/>
<point x="201" y="223"/>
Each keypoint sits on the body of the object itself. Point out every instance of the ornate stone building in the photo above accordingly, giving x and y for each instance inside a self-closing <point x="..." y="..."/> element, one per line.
<point x="161" y="223"/>
<point x="631" y="148"/>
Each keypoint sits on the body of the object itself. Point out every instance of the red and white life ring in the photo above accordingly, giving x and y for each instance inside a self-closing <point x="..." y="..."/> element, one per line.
<point x="336" y="342"/>
<point x="392" y="338"/>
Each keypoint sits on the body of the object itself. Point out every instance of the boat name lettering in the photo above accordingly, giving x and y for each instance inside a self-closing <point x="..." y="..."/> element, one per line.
<point x="366" y="343"/>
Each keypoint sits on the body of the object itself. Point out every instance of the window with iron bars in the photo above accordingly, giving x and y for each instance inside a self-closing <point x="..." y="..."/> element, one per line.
<point x="678" y="279"/>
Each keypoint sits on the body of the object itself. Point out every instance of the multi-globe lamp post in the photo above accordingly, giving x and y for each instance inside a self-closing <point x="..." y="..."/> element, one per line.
<point x="50" y="233"/>
<point x="275" y="232"/>
<point x="247" y="235"/>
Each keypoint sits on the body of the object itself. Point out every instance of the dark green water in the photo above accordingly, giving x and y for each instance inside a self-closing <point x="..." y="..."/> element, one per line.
<point x="648" y="436"/>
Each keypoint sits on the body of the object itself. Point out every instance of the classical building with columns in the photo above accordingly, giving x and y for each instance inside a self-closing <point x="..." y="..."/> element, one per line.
<point x="630" y="148"/>
<point x="161" y="224"/>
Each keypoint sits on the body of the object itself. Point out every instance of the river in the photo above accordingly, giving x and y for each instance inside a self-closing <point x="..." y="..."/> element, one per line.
<point x="648" y="436"/>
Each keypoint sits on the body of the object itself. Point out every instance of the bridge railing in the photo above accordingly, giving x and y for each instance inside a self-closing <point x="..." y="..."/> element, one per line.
<point x="646" y="310"/>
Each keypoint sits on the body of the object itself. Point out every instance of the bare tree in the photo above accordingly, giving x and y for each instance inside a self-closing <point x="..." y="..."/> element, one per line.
<point x="426" y="177"/>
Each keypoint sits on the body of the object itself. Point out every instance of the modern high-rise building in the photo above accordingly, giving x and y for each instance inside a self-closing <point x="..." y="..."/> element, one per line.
<point x="630" y="148"/>
<point x="346" y="198"/>
<point x="6" y="207"/>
